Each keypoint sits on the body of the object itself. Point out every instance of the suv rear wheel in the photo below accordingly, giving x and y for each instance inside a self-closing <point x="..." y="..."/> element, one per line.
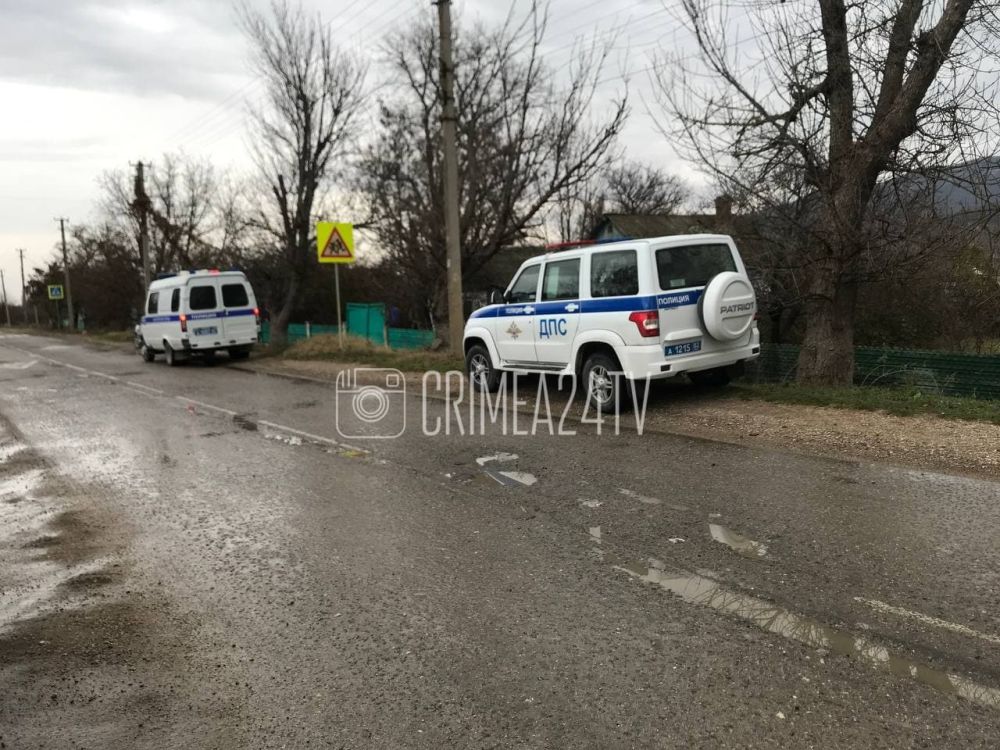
<point x="604" y="383"/>
<point x="483" y="375"/>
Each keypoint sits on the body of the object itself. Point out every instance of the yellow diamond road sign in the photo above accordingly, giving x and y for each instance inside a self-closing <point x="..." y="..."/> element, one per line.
<point x="335" y="242"/>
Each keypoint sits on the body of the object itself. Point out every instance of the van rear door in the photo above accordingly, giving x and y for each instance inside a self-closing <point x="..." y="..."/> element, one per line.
<point x="240" y="321"/>
<point x="204" y="314"/>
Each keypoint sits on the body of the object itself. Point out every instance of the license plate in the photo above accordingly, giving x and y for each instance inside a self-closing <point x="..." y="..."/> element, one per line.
<point x="206" y="331"/>
<point x="688" y="347"/>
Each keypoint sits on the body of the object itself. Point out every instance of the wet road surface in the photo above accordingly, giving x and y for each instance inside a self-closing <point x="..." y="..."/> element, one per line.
<point x="194" y="557"/>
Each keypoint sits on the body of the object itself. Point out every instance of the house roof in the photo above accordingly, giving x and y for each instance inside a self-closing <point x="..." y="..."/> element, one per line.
<point x="659" y="225"/>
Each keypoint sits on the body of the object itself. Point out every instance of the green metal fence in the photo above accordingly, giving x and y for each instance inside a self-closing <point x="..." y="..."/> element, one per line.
<point x="945" y="373"/>
<point x="399" y="338"/>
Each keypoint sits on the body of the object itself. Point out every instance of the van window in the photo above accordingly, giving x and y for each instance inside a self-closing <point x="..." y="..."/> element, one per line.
<point x="562" y="280"/>
<point x="526" y="286"/>
<point x="175" y="300"/>
<point x="614" y="274"/>
<point x="692" y="265"/>
<point x="202" y="298"/>
<point x="234" y="295"/>
<point x="154" y="303"/>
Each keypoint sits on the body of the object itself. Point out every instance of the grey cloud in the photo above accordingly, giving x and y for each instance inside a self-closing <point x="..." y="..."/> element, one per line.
<point x="99" y="46"/>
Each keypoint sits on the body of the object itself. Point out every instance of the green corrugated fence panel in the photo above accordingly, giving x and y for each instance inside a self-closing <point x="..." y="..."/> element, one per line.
<point x="410" y="338"/>
<point x="946" y="373"/>
<point x="366" y="321"/>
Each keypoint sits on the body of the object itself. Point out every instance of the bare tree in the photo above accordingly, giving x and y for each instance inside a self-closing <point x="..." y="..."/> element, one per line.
<point x="182" y="211"/>
<point x="314" y="93"/>
<point x="850" y="95"/>
<point x="523" y="138"/>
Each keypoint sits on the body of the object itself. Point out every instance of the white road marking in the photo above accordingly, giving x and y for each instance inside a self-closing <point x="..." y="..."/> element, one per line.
<point x="310" y="436"/>
<point x="928" y="620"/>
<point x="203" y="405"/>
<point x="149" y="389"/>
<point x="18" y="365"/>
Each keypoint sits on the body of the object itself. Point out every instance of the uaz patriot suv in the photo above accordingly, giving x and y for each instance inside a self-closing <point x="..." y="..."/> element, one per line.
<point x="650" y="308"/>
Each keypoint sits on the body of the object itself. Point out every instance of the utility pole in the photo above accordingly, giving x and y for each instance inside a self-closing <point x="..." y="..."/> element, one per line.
<point x="449" y="126"/>
<point x="24" y="289"/>
<point x="69" y="292"/>
<point x="141" y="207"/>
<point x="3" y="287"/>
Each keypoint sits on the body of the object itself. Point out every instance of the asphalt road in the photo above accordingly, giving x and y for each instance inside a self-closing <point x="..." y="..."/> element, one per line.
<point x="194" y="557"/>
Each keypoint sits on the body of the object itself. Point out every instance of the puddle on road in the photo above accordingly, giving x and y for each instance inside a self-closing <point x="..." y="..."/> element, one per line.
<point x="774" y="619"/>
<point x="512" y="478"/>
<point x="737" y="542"/>
<point x="506" y="478"/>
<point x="645" y="499"/>
<point x="244" y="422"/>
<point x="499" y="457"/>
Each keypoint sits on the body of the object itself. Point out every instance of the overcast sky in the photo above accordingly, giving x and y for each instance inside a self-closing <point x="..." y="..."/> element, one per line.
<point x="89" y="86"/>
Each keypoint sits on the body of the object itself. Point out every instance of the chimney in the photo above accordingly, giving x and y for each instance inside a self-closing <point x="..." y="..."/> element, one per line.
<point x="724" y="207"/>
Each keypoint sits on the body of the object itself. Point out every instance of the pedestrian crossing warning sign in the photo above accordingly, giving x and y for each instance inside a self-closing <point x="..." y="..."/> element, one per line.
<point x="335" y="242"/>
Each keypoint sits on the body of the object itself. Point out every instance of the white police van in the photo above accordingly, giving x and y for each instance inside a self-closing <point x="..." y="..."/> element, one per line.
<point x="649" y="308"/>
<point x="198" y="313"/>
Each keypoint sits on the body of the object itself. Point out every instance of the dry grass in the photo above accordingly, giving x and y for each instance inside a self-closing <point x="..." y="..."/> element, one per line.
<point x="362" y="351"/>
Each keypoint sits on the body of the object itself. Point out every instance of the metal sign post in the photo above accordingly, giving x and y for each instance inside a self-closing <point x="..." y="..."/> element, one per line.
<point x="335" y="244"/>
<point x="340" y="321"/>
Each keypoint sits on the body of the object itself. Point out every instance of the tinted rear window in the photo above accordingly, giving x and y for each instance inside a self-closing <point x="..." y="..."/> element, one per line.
<point x="692" y="265"/>
<point x="175" y="300"/>
<point x="153" y="303"/>
<point x="202" y="298"/>
<point x="614" y="274"/>
<point x="234" y="295"/>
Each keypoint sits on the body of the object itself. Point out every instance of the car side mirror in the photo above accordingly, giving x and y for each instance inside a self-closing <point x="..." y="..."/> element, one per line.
<point x="496" y="296"/>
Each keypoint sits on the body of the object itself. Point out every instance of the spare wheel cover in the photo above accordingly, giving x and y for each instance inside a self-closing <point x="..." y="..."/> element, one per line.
<point x="728" y="306"/>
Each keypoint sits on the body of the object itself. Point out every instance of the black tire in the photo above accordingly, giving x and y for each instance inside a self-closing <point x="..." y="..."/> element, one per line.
<point x="717" y="377"/>
<point x="604" y="385"/>
<point x="170" y="355"/>
<point x="147" y="354"/>
<point x="479" y="367"/>
<point x="238" y="354"/>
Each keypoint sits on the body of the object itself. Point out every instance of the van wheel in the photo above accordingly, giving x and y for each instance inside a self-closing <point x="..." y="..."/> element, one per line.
<point x="717" y="377"/>
<point x="147" y="354"/>
<point x="170" y="355"/>
<point x="604" y="383"/>
<point x="482" y="374"/>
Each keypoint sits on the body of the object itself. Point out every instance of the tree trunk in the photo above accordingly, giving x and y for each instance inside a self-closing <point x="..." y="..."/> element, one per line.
<point x="279" y="323"/>
<point x="827" y="355"/>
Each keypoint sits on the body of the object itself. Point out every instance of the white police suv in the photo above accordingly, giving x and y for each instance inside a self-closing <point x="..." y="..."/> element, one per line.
<point x="198" y="313"/>
<point x="649" y="308"/>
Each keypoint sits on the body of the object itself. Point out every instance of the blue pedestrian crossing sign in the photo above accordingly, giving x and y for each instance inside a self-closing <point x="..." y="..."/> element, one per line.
<point x="56" y="291"/>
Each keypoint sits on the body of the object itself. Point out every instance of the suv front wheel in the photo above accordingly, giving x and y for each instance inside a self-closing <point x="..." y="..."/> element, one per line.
<point x="482" y="373"/>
